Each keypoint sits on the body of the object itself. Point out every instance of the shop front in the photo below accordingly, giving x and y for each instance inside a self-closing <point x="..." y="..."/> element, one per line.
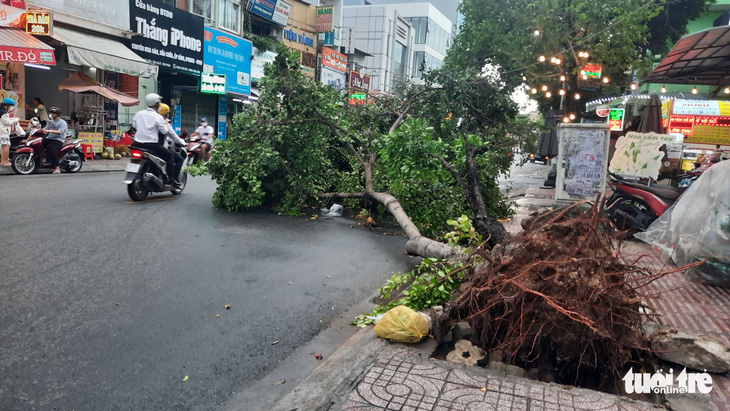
<point x="705" y="125"/>
<point x="227" y="58"/>
<point x="172" y="39"/>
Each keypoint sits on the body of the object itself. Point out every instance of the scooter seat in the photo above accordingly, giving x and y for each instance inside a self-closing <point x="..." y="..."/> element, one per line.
<point x="665" y="192"/>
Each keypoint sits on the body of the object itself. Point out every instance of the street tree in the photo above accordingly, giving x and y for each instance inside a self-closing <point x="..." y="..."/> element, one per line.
<point x="426" y="154"/>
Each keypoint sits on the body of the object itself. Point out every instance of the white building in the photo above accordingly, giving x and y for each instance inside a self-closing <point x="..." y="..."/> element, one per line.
<point x="400" y="39"/>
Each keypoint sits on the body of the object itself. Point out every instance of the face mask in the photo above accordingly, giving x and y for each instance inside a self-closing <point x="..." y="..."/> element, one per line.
<point x="203" y="124"/>
<point x="11" y="109"/>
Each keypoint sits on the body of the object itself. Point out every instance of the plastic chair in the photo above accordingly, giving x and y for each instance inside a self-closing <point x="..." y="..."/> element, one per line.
<point x="88" y="152"/>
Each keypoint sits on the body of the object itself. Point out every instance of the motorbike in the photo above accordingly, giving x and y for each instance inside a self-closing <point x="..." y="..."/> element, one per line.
<point x="31" y="156"/>
<point x="18" y="140"/>
<point x="634" y="206"/>
<point x="146" y="173"/>
<point x="194" y="149"/>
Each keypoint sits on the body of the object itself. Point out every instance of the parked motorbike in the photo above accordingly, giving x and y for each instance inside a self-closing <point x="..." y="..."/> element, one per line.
<point x="146" y="173"/>
<point x="634" y="206"/>
<point x="30" y="157"/>
<point x="17" y="140"/>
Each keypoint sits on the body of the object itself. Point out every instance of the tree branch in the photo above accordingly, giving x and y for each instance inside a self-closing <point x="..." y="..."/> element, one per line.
<point x="341" y="195"/>
<point x="409" y="104"/>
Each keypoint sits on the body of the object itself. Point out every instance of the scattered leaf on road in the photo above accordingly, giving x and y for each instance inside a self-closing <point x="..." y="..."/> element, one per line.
<point x="483" y="389"/>
<point x="217" y="316"/>
<point x="290" y="283"/>
<point x="327" y="276"/>
<point x="281" y="382"/>
<point x="185" y="379"/>
<point x="275" y="342"/>
<point x="228" y="306"/>
<point x="314" y="217"/>
<point x="317" y="356"/>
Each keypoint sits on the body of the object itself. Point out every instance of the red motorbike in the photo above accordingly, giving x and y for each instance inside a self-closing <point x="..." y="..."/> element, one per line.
<point x="194" y="148"/>
<point x="31" y="157"/>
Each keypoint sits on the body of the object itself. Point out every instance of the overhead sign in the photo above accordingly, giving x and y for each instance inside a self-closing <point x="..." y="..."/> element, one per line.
<point x="616" y="119"/>
<point x="39" y="23"/>
<point x="638" y="154"/>
<point x="603" y="111"/>
<point x="230" y="55"/>
<point x="11" y="13"/>
<point x="167" y="36"/>
<point x="358" y="81"/>
<point x="213" y="83"/>
<point x="334" y="60"/>
<point x="324" y="18"/>
<point x="27" y="55"/>
<point x="277" y="11"/>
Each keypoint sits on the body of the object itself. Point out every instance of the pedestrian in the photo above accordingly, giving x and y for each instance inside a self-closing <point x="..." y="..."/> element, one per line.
<point x="7" y="124"/>
<point x="56" y="130"/>
<point x="40" y="111"/>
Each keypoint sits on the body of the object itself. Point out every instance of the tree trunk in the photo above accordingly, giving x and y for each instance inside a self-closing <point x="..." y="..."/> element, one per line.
<point x="486" y="226"/>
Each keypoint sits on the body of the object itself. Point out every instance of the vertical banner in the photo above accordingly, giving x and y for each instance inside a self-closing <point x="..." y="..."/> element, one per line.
<point x="324" y="18"/>
<point x="222" y="116"/>
<point x="177" y="119"/>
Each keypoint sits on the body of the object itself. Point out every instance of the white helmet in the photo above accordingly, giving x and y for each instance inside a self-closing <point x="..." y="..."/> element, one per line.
<point x="152" y="99"/>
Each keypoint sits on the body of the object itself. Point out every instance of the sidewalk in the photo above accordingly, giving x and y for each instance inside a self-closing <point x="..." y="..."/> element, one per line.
<point x="88" y="167"/>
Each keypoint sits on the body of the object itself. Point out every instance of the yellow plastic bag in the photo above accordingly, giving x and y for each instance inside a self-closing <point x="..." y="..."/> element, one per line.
<point x="401" y="324"/>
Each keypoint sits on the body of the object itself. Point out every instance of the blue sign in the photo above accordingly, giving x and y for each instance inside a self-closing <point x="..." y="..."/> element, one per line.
<point x="263" y="8"/>
<point x="222" y="117"/>
<point x="177" y="119"/>
<point x="298" y="38"/>
<point x="230" y="55"/>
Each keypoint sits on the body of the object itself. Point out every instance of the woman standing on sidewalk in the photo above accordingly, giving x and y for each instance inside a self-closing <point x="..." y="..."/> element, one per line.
<point x="6" y="126"/>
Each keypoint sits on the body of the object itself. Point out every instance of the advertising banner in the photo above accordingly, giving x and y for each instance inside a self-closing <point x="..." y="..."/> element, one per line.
<point x="332" y="78"/>
<point x="638" y="154"/>
<point x="167" y="36"/>
<point x="230" y="55"/>
<point x="113" y="13"/>
<point x="96" y="140"/>
<point x="277" y="11"/>
<point x="11" y="13"/>
<point x="324" y="18"/>
<point x="616" y="119"/>
<point x="334" y="60"/>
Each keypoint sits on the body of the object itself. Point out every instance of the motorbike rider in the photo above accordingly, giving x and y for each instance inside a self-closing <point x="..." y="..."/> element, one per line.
<point x="206" y="135"/>
<point x="6" y="126"/>
<point x="149" y="126"/>
<point x="164" y="111"/>
<point x="56" y="136"/>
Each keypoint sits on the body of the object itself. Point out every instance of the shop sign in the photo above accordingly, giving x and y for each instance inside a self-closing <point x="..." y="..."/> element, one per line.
<point x="95" y="140"/>
<point x="298" y="38"/>
<point x="603" y="111"/>
<point x="212" y="83"/>
<point x="358" y="98"/>
<point x="277" y="11"/>
<point x="699" y="107"/>
<point x="229" y="55"/>
<point x="324" y="18"/>
<point x="113" y="13"/>
<point x="27" y="55"/>
<point x="222" y="116"/>
<point x="309" y="60"/>
<point x="39" y="23"/>
<point x="333" y="78"/>
<point x="358" y="81"/>
<point x="638" y="154"/>
<point x="349" y="41"/>
<point x="167" y="36"/>
<point x="616" y="119"/>
<point x="334" y="60"/>
<point x="11" y="13"/>
<point x="592" y="70"/>
<point x="329" y="38"/>
<point x="259" y="61"/>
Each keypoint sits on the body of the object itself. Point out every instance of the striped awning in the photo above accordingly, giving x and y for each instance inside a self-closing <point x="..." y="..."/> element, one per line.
<point x="17" y="46"/>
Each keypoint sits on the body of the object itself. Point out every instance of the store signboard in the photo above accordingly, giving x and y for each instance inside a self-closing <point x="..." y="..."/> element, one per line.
<point x="167" y="36"/>
<point x="616" y="119"/>
<point x="277" y="11"/>
<point x="96" y="140"/>
<point x="39" y="23"/>
<point x="324" y="18"/>
<point x="27" y="55"/>
<point x="638" y="154"/>
<point x="358" y="98"/>
<point x="212" y="83"/>
<point x="603" y="111"/>
<point x="592" y="70"/>
<point x="334" y="60"/>
<point x="231" y="56"/>
<point x="259" y="61"/>
<point x="359" y="81"/>
<point x="333" y="78"/>
<point x="11" y="13"/>
<point x="112" y="13"/>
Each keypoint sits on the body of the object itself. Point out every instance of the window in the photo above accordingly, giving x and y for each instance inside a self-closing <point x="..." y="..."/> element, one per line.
<point x="419" y="59"/>
<point x="420" y="26"/>
<point x="228" y="12"/>
<point x="203" y="8"/>
<point x="401" y="61"/>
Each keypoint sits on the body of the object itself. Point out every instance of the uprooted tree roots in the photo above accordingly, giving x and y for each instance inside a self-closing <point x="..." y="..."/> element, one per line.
<point x="557" y="296"/>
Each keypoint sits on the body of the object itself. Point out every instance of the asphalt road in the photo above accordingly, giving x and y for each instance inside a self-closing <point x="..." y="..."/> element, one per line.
<point x="107" y="304"/>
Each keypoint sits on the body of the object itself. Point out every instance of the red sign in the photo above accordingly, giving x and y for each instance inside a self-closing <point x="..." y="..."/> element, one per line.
<point x="334" y="60"/>
<point x="602" y="111"/>
<point x="592" y="70"/>
<point x="358" y="81"/>
<point x="26" y="55"/>
<point x="39" y="23"/>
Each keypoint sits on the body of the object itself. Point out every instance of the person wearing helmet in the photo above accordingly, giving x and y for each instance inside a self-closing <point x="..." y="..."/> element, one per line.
<point x="7" y="124"/>
<point x="206" y="133"/>
<point x="164" y="111"/>
<point x="56" y="135"/>
<point x="149" y="126"/>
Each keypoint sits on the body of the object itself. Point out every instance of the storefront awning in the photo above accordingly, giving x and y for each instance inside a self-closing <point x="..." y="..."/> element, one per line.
<point x="102" y="53"/>
<point x="702" y="58"/>
<point x="17" y="46"/>
<point x="81" y="83"/>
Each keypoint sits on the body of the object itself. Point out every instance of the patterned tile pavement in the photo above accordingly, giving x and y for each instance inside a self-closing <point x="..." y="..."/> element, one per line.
<point x="397" y="382"/>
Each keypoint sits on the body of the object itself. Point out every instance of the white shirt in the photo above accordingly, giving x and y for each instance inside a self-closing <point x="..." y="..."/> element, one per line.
<point x="149" y="125"/>
<point x="173" y="136"/>
<point x="206" y="133"/>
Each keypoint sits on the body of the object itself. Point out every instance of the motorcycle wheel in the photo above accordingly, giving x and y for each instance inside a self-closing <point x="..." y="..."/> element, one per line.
<point x="136" y="189"/>
<point x="22" y="164"/>
<point x="77" y="168"/>
<point x="617" y="213"/>
<point x="183" y="183"/>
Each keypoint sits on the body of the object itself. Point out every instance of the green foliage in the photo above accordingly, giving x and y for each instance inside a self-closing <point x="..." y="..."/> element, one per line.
<point x="263" y="43"/>
<point x="462" y="233"/>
